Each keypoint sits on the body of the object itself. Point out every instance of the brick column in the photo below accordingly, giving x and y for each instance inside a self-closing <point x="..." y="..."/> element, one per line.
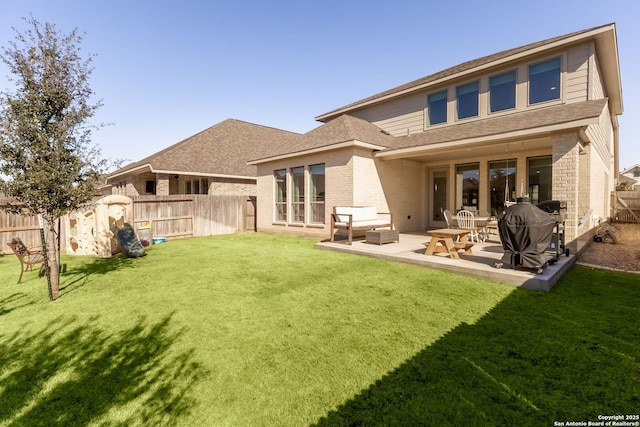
<point x="566" y="182"/>
<point x="162" y="184"/>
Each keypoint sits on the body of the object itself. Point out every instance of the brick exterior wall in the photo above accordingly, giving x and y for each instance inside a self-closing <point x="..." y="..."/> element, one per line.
<point x="353" y="178"/>
<point x="339" y="182"/>
<point x="168" y="184"/>
<point x="228" y="186"/>
<point x="566" y="181"/>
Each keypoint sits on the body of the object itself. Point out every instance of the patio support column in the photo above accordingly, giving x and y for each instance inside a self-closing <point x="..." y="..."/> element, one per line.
<point x="162" y="184"/>
<point x="566" y="181"/>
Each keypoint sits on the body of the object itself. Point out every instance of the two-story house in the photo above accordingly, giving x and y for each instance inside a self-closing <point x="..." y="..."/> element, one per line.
<point x="538" y="120"/>
<point x="631" y="177"/>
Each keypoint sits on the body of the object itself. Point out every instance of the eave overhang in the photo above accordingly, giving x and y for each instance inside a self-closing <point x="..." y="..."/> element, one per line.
<point x="147" y="167"/>
<point x="337" y="146"/>
<point x="425" y="151"/>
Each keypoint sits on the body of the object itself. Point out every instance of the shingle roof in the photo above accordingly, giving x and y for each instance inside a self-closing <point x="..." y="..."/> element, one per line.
<point x="222" y="149"/>
<point x="465" y="66"/>
<point x="339" y="130"/>
<point x="348" y="128"/>
<point x="527" y="120"/>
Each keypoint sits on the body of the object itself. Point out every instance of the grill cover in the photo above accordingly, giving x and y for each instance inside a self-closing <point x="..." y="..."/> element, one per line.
<point x="525" y="231"/>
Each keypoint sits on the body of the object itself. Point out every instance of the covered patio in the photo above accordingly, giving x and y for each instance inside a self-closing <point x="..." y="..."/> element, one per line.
<point x="482" y="263"/>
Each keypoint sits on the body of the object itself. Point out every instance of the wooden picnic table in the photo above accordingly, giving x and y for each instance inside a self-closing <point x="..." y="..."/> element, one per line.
<point x="448" y="241"/>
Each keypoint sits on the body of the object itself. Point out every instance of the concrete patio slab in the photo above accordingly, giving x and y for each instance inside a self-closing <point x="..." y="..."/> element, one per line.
<point x="410" y="249"/>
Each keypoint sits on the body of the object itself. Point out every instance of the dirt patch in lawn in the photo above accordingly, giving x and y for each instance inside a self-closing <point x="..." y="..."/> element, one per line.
<point x="625" y="255"/>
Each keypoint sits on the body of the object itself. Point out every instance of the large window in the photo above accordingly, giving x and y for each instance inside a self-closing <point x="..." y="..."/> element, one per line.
<point x="281" y="194"/>
<point x="544" y="81"/>
<point x="307" y="194"/>
<point x="502" y="184"/>
<point x="467" y="186"/>
<point x="196" y="186"/>
<point x="540" y="179"/>
<point x="297" y="194"/>
<point x="467" y="100"/>
<point x="437" y="106"/>
<point x="502" y="92"/>
<point x="316" y="173"/>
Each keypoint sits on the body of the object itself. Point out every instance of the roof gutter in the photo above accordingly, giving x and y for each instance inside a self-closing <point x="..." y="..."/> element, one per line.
<point x="176" y="172"/>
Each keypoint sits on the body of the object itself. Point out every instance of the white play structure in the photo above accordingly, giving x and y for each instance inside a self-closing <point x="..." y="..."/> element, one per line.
<point x="88" y="232"/>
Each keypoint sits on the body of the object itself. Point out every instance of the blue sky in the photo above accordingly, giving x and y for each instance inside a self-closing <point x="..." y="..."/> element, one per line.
<point x="166" y="70"/>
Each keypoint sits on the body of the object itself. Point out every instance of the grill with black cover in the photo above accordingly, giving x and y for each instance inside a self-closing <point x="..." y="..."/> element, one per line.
<point x="526" y="231"/>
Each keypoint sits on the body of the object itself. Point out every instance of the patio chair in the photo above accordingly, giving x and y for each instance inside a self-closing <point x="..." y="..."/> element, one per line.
<point x="466" y="221"/>
<point x="28" y="258"/>
<point x="449" y="218"/>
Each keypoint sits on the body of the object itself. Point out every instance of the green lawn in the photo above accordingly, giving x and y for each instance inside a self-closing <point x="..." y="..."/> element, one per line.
<point x="260" y="330"/>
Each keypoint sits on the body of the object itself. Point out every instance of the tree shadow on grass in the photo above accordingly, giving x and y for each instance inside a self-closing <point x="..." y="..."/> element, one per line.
<point x="534" y="359"/>
<point x="78" y="276"/>
<point x="13" y="302"/>
<point x="77" y="375"/>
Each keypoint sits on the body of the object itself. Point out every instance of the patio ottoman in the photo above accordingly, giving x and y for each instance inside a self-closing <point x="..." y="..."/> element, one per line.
<point x="379" y="237"/>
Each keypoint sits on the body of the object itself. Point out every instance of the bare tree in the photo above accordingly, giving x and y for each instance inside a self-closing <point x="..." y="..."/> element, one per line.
<point x="48" y="165"/>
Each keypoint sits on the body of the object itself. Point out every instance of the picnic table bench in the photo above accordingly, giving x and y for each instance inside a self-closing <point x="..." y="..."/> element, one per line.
<point x="442" y="241"/>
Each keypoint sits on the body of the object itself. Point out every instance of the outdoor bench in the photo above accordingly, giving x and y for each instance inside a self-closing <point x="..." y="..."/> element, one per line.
<point x="358" y="218"/>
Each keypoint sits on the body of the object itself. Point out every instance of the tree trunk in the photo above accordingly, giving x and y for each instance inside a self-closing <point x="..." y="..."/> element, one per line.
<point x="53" y="276"/>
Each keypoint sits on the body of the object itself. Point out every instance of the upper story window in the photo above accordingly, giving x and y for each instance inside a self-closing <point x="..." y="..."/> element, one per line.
<point x="502" y="92"/>
<point x="437" y="106"/>
<point x="467" y="100"/>
<point x="544" y="81"/>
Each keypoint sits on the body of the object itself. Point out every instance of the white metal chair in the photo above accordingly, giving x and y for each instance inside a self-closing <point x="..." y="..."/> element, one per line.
<point x="466" y="221"/>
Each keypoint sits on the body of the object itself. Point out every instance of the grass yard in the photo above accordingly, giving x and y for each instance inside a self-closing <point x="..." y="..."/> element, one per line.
<point x="261" y="330"/>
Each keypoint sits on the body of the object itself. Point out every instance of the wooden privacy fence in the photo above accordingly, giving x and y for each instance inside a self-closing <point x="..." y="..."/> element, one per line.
<point x="24" y="227"/>
<point x="176" y="216"/>
<point x="195" y="215"/>
<point x="626" y="206"/>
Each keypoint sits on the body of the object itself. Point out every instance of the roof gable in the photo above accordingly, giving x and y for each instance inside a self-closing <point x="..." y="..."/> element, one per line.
<point x="341" y="131"/>
<point x="631" y="169"/>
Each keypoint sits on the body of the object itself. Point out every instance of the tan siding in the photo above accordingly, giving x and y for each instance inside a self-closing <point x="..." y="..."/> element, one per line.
<point x="600" y="136"/>
<point x="597" y="88"/>
<point x="399" y="117"/>
<point x="577" y="74"/>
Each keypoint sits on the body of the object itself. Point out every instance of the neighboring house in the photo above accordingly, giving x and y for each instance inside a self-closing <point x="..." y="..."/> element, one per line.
<point x="538" y="120"/>
<point x="213" y="161"/>
<point x="631" y="177"/>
